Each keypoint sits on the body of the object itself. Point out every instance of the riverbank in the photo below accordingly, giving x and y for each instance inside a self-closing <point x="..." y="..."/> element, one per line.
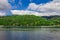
<point x="27" y="29"/>
<point x="30" y="27"/>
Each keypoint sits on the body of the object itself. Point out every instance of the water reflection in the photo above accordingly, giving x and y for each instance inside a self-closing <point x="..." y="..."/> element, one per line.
<point x="35" y="34"/>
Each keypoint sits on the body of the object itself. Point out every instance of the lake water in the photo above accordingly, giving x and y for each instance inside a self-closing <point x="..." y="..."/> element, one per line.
<point x="30" y="34"/>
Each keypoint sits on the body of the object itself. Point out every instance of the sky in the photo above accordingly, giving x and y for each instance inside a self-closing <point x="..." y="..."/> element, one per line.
<point x="30" y="7"/>
<point x="23" y="4"/>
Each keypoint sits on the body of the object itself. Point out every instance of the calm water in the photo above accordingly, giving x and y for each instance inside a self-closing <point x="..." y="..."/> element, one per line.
<point x="30" y="34"/>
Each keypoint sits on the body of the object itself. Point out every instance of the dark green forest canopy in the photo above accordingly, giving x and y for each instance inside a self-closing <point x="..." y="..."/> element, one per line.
<point x="29" y="20"/>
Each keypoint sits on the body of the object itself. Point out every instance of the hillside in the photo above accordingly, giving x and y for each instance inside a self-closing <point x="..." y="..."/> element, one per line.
<point x="28" y="20"/>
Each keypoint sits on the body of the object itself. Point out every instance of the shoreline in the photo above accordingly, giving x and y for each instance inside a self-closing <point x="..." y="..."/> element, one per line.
<point x="30" y="27"/>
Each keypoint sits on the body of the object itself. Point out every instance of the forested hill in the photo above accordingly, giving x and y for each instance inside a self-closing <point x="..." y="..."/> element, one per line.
<point x="28" y="20"/>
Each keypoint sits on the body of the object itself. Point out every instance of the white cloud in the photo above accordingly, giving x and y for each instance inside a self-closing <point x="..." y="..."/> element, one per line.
<point x="4" y="7"/>
<point x="4" y="4"/>
<point x="26" y="12"/>
<point x="32" y="6"/>
<point x="51" y="8"/>
<point x="2" y="14"/>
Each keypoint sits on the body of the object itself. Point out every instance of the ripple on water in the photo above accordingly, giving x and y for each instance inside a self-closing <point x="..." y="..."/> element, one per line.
<point x="36" y="34"/>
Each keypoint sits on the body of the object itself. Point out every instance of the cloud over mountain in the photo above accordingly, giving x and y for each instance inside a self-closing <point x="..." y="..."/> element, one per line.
<point x="26" y="12"/>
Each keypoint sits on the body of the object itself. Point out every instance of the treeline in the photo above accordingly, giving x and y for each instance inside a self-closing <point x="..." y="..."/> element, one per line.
<point x="28" y="20"/>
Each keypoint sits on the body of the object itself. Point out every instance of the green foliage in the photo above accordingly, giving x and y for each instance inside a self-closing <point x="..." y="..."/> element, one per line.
<point x="28" y="20"/>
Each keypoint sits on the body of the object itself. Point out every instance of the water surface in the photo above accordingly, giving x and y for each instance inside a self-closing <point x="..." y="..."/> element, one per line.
<point x="30" y="34"/>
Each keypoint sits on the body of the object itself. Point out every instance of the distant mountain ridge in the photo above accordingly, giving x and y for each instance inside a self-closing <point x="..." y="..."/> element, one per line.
<point x="53" y="16"/>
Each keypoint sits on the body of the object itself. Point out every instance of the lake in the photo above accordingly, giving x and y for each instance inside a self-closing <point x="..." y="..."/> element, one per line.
<point x="30" y="34"/>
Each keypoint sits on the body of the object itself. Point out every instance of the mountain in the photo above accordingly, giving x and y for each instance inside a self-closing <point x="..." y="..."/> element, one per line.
<point x="52" y="17"/>
<point x="29" y="21"/>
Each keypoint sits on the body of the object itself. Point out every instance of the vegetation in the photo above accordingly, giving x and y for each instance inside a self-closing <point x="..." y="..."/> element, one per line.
<point x="28" y="20"/>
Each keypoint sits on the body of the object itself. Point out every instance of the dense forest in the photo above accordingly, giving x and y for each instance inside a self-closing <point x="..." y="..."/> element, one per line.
<point x="29" y="20"/>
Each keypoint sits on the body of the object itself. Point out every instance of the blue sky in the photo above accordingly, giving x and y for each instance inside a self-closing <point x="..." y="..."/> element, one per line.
<point x="23" y="4"/>
<point x="30" y="7"/>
